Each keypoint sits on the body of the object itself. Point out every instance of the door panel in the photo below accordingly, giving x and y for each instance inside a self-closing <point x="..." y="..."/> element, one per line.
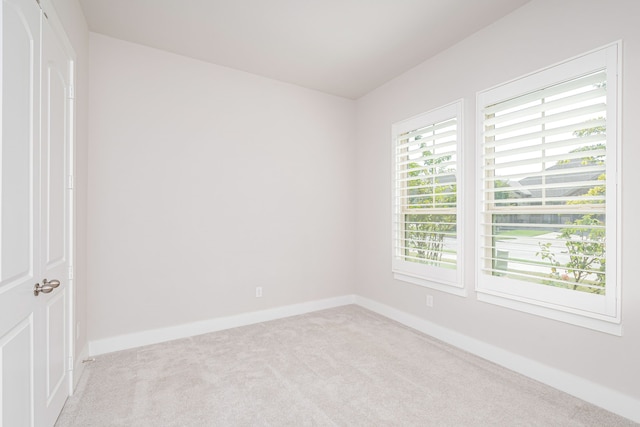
<point x="53" y="145"/>
<point x="20" y="47"/>
<point x="56" y="345"/>
<point x="55" y="214"/>
<point x="16" y="375"/>
<point x="19" y="209"/>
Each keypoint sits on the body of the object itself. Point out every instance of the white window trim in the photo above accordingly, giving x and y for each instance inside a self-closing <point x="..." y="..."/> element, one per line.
<point x="419" y="274"/>
<point x="609" y="323"/>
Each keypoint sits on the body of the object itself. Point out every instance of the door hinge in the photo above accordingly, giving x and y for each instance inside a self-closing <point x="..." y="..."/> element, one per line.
<point x="70" y="363"/>
<point x="70" y="273"/>
<point x="72" y="92"/>
<point x="70" y="182"/>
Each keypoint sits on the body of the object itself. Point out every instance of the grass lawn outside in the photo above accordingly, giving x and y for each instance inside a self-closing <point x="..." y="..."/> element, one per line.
<point x="521" y="233"/>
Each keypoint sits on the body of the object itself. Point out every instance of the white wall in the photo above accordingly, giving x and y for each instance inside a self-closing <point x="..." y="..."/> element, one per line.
<point x="206" y="182"/>
<point x="539" y="34"/>
<point x="75" y="26"/>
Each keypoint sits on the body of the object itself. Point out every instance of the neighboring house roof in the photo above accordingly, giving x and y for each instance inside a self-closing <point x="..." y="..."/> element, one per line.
<point x="569" y="191"/>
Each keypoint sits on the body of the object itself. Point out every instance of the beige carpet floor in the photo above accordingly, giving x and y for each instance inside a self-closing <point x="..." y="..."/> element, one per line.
<point x="340" y="367"/>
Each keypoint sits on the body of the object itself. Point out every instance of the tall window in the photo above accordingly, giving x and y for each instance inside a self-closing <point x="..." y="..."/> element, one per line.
<point x="426" y="192"/>
<point x="547" y="222"/>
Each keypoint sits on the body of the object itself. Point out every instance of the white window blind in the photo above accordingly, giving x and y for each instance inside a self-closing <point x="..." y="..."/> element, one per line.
<point x="426" y="155"/>
<point x="547" y="223"/>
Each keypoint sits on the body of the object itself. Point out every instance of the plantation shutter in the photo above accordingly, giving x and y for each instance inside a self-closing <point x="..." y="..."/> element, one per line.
<point x="425" y="220"/>
<point x="544" y="164"/>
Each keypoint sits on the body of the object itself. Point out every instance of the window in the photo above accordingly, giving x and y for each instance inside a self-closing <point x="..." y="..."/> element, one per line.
<point x="547" y="230"/>
<point x="426" y="231"/>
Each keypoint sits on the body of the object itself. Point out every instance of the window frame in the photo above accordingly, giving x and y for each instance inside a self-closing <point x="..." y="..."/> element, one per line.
<point x="540" y="299"/>
<point x="433" y="277"/>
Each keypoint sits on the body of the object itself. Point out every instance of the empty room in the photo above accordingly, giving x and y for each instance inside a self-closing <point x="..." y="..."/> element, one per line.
<point x="302" y="212"/>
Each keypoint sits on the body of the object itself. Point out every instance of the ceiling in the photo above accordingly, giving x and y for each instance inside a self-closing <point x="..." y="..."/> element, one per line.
<point x="341" y="47"/>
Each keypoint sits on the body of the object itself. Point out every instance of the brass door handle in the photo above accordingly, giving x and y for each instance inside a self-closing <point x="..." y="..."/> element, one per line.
<point x="47" y="287"/>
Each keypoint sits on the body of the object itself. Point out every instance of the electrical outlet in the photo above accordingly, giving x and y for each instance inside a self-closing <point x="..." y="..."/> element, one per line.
<point x="259" y="292"/>
<point x="429" y="300"/>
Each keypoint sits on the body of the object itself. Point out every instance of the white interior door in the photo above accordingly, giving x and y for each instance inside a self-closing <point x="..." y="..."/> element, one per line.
<point x="34" y="218"/>
<point x="19" y="225"/>
<point x="52" y="308"/>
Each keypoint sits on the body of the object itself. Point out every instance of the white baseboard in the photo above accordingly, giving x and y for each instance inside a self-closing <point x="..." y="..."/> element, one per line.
<point x="139" y="339"/>
<point x="581" y="388"/>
